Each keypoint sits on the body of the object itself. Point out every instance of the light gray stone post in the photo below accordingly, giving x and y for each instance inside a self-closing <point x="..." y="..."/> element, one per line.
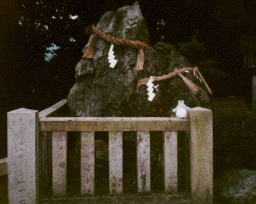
<point x="115" y="162"/>
<point x="201" y="155"/>
<point x="23" y="179"/>
<point x="170" y="162"/>
<point x="143" y="162"/>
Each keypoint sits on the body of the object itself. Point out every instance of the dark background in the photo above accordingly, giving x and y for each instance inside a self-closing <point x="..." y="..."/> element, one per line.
<point x="208" y="33"/>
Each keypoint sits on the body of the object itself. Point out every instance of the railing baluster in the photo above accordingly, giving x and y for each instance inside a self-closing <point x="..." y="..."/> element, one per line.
<point x="115" y="162"/>
<point x="143" y="162"/>
<point x="170" y="162"/>
<point x="59" y="163"/>
<point x="87" y="163"/>
<point x="46" y="161"/>
<point x="43" y="160"/>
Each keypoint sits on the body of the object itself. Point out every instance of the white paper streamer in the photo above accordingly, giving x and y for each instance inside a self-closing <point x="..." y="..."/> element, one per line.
<point x="151" y="88"/>
<point x="111" y="57"/>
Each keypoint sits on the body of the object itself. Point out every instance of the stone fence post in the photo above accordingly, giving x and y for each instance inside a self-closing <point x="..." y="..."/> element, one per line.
<point x="23" y="129"/>
<point x="201" y="155"/>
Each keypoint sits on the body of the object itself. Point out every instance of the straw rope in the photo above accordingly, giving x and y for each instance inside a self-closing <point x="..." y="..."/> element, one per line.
<point x="134" y="44"/>
<point x="124" y="42"/>
<point x="192" y="87"/>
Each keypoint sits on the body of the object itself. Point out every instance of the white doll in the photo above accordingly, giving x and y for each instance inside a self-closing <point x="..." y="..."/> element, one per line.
<point x="181" y="110"/>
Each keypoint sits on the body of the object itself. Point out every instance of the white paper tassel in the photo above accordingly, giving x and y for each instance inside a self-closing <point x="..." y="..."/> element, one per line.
<point x="111" y="57"/>
<point x="151" y="88"/>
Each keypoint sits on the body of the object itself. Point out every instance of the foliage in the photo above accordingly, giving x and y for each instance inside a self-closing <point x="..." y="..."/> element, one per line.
<point x="198" y="55"/>
<point x="234" y="141"/>
<point x="46" y="22"/>
<point x="37" y="24"/>
<point x="194" y="50"/>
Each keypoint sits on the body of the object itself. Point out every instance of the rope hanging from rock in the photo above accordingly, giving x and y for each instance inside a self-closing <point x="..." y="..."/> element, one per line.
<point x="191" y="86"/>
<point x="134" y="44"/>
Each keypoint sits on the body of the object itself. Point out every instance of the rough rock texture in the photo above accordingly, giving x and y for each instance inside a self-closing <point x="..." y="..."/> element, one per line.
<point x="101" y="91"/>
<point x="237" y="186"/>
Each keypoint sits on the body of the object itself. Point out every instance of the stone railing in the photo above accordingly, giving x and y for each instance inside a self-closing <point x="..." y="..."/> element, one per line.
<point x="37" y="152"/>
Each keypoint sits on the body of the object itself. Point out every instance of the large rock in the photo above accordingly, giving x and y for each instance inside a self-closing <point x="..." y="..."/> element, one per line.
<point x="237" y="187"/>
<point x="101" y="91"/>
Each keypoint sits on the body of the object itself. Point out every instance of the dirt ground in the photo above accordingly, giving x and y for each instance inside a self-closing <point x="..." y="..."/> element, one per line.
<point x="3" y="190"/>
<point x="125" y="199"/>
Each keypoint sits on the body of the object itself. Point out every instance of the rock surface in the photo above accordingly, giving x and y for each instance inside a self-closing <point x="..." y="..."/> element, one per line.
<point x="237" y="187"/>
<point x="101" y="91"/>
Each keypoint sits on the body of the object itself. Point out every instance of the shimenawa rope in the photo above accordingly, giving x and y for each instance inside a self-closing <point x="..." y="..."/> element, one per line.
<point x="192" y="87"/>
<point x="140" y="59"/>
<point x="124" y="42"/>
